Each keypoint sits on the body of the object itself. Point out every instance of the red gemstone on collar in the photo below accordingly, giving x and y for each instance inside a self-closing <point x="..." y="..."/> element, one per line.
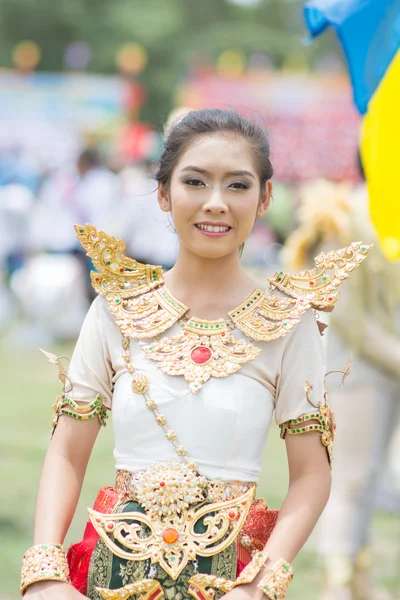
<point x="200" y="355"/>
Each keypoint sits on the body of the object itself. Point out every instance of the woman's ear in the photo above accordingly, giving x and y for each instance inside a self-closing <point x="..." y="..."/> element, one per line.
<point x="265" y="199"/>
<point x="163" y="198"/>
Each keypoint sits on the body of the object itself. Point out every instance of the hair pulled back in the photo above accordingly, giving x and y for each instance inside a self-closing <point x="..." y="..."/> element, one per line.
<point x="208" y="121"/>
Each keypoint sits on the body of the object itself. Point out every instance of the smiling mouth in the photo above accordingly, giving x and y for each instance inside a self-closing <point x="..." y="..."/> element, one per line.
<point x="213" y="228"/>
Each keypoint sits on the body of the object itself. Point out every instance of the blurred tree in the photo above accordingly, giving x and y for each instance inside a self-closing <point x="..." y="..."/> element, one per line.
<point x="175" y="34"/>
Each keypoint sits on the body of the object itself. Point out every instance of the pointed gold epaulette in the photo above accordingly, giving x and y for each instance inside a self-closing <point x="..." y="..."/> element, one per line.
<point x="117" y="276"/>
<point x="134" y="291"/>
<point x="320" y="284"/>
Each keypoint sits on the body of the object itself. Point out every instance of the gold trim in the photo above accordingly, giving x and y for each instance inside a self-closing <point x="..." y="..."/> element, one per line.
<point x="264" y="317"/>
<point x="70" y="408"/>
<point x="326" y="423"/>
<point x="322" y="281"/>
<point x="145" y="308"/>
<point x="215" y="491"/>
<point x="116" y="274"/>
<point x="203" y="585"/>
<point x="227" y="354"/>
<point x="275" y="583"/>
<point x="223" y="521"/>
<point x="144" y="589"/>
<point x="44" y="562"/>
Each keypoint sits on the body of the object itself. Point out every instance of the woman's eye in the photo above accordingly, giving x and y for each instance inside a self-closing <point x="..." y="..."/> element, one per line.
<point x="239" y="185"/>
<point x="194" y="182"/>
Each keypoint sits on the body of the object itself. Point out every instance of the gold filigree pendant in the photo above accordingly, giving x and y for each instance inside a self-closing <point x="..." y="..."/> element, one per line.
<point x="202" y="350"/>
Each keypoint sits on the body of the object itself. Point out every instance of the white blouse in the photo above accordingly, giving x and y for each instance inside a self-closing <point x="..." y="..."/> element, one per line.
<point x="225" y="425"/>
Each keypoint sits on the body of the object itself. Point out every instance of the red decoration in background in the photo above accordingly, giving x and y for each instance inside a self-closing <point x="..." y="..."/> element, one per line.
<point x="312" y="123"/>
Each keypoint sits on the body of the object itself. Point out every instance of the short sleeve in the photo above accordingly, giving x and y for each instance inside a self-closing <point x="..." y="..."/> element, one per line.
<point x="303" y="359"/>
<point x="90" y="371"/>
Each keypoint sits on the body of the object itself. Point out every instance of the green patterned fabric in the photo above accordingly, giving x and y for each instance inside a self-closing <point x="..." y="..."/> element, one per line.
<point x="111" y="572"/>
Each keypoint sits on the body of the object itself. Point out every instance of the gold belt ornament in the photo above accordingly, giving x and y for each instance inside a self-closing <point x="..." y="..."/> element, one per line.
<point x="175" y="498"/>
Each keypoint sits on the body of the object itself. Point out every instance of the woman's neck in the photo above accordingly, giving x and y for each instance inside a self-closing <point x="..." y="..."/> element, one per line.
<point x="209" y="285"/>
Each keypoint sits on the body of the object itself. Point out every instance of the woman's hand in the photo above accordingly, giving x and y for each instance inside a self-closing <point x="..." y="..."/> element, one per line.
<point x="245" y="592"/>
<point x="48" y="590"/>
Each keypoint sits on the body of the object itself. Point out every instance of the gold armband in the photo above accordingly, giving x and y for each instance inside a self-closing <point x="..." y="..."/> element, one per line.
<point x="275" y="583"/>
<point x="82" y="412"/>
<point x="44" y="562"/>
<point x="325" y="425"/>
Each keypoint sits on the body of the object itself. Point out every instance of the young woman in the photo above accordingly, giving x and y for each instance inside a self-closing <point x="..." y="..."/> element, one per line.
<point x="193" y="364"/>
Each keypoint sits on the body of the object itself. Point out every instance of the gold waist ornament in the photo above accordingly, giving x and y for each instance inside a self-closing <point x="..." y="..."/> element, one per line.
<point x="175" y="499"/>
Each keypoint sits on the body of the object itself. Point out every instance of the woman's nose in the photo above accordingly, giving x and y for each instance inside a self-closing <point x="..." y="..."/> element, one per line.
<point x="215" y="202"/>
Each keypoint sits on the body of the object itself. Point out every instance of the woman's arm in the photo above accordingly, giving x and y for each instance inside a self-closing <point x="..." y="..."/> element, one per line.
<point x="309" y="488"/>
<point x="59" y="489"/>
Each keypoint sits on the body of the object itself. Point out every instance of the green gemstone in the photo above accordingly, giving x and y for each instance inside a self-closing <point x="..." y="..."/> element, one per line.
<point x="81" y="231"/>
<point x="259" y="294"/>
<point x="151" y="348"/>
<point x="303" y="429"/>
<point x="280" y="272"/>
<point x="248" y="304"/>
<point x="108" y="263"/>
<point x="80" y="417"/>
<point x="266" y="588"/>
<point x="217" y="326"/>
<point x="279" y="279"/>
<point x="284" y="324"/>
<point x="196" y="324"/>
<point x="244" y="308"/>
<point x="286" y="567"/>
<point x="172" y="559"/>
<point x="117" y="300"/>
<point x="362" y="249"/>
<point x="206" y="326"/>
<point x="324" y="278"/>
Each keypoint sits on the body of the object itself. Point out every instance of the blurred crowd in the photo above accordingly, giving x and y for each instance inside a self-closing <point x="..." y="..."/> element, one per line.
<point x="44" y="274"/>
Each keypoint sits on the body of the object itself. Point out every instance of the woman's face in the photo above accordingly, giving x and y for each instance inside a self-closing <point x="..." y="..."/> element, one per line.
<point x="215" y="195"/>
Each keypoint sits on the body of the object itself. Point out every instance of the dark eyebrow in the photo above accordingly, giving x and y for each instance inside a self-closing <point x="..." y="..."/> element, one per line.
<point x="204" y="172"/>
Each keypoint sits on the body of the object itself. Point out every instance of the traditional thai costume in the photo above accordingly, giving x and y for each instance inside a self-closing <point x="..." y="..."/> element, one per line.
<point x="182" y="519"/>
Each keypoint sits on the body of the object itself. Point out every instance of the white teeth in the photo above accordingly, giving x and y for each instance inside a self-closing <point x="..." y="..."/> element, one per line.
<point x="213" y="228"/>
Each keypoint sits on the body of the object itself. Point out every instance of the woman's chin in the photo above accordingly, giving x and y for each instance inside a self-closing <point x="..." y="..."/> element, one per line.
<point x="210" y="253"/>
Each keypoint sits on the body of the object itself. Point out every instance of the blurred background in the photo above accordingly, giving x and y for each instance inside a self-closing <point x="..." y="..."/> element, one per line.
<point x="86" y="88"/>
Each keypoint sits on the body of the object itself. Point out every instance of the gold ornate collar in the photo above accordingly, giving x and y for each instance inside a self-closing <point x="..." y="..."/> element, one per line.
<point x="144" y="308"/>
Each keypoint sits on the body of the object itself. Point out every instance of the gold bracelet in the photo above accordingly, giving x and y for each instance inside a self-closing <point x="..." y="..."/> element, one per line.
<point x="275" y="583"/>
<point x="44" y="562"/>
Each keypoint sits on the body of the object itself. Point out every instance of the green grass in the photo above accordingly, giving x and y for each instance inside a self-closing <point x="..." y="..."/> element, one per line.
<point x="29" y="386"/>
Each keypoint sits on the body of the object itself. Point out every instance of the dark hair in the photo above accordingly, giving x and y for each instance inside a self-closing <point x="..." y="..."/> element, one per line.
<point x="90" y="157"/>
<point x="208" y="121"/>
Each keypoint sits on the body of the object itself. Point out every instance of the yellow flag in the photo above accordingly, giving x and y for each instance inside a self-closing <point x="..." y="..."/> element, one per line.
<point x="380" y="151"/>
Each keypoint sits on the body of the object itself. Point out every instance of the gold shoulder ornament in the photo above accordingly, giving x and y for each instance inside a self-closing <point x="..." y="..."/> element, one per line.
<point x="144" y="308"/>
<point x="320" y="284"/>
